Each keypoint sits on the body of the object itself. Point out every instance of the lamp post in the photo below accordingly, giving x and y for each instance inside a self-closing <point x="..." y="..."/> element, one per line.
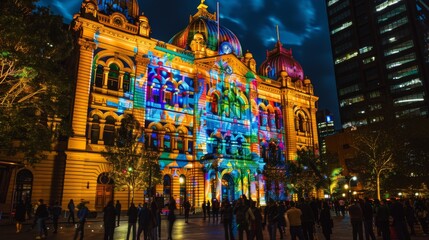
<point x="354" y="178"/>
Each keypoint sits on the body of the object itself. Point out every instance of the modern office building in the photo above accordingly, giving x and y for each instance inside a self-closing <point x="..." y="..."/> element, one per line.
<point x="325" y="127"/>
<point x="217" y="120"/>
<point x="381" y="57"/>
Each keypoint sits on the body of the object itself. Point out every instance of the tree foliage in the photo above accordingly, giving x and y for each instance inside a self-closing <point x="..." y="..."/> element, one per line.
<point x="375" y="149"/>
<point x="132" y="165"/>
<point x="34" y="81"/>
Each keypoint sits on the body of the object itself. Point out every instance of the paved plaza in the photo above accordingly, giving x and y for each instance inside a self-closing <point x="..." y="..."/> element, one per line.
<point x="196" y="229"/>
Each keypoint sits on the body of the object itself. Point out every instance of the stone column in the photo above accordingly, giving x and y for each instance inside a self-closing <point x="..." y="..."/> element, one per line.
<point x="83" y="85"/>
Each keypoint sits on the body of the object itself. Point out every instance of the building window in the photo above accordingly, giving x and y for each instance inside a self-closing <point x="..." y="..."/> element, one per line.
<point x="113" y="79"/>
<point x="214" y="104"/>
<point x="127" y="82"/>
<point x="99" y="76"/>
<point x="167" y="143"/>
<point x="389" y="27"/>
<point x="109" y="131"/>
<point x="167" y="187"/>
<point x="95" y="129"/>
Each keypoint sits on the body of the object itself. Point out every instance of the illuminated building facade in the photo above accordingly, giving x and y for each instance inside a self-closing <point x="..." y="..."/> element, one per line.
<point x="216" y="120"/>
<point x="380" y="51"/>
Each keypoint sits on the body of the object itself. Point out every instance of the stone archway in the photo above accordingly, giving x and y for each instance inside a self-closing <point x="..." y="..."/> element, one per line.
<point x="104" y="193"/>
<point x="228" y="188"/>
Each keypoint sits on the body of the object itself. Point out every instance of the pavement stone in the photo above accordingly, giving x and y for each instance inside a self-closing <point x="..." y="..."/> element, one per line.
<point x="196" y="229"/>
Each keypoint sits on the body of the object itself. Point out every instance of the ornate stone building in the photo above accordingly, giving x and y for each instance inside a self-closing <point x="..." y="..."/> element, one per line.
<point x="217" y="120"/>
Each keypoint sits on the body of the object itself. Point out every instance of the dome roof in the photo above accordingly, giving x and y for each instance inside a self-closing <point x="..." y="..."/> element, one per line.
<point x="205" y="23"/>
<point x="280" y="59"/>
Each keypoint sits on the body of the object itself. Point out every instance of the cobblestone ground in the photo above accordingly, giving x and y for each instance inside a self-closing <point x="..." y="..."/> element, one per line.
<point x="196" y="229"/>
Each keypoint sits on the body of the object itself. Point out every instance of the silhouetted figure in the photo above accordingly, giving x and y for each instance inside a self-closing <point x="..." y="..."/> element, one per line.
<point x="71" y="208"/>
<point x="187" y="206"/>
<point x="132" y="220"/>
<point x="227" y="220"/>
<point x="118" y="211"/>
<point x="356" y="218"/>
<point x="109" y="220"/>
<point x="145" y="219"/>
<point x="171" y="217"/>
<point x="204" y="208"/>
<point x="326" y="221"/>
<point x="20" y="215"/>
<point x="56" y="213"/>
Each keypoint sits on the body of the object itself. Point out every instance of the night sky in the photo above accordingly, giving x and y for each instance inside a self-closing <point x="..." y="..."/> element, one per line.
<point x="302" y="25"/>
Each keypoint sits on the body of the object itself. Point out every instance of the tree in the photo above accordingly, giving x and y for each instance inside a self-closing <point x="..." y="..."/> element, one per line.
<point x="34" y="84"/>
<point x="132" y="165"/>
<point x="376" y="150"/>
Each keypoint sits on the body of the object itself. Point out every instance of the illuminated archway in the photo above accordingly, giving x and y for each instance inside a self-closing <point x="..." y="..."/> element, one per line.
<point x="228" y="190"/>
<point x="104" y="192"/>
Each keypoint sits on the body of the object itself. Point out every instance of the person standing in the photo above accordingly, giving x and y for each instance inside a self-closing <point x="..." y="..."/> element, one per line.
<point x="155" y="219"/>
<point x="132" y="220"/>
<point x="56" y="213"/>
<point x="227" y="220"/>
<point x="42" y="214"/>
<point x="145" y="219"/>
<point x="307" y="219"/>
<point x="82" y="214"/>
<point x="356" y="218"/>
<point x="118" y="211"/>
<point x="368" y="219"/>
<point x="215" y="207"/>
<point x="410" y="216"/>
<point x="398" y="214"/>
<point x="171" y="217"/>
<point x="382" y="219"/>
<point x="109" y="220"/>
<point x="271" y="217"/>
<point x="256" y="226"/>
<point x="293" y="215"/>
<point x="187" y="206"/>
<point x="204" y="208"/>
<point x="20" y="215"/>
<point x="422" y="215"/>
<point x="325" y="221"/>
<point x="208" y="209"/>
<point x="71" y="207"/>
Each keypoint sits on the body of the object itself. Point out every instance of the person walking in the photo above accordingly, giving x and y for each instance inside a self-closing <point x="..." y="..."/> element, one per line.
<point x="187" y="206"/>
<point x="215" y="211"/>
<point x="368" y="219"/>
<point x="281" y="225"/>
<point x="171" y="217"/>
<point x="42" y="214"/>
<point x="356" y="218"/>
<point x="293" y="215"/>
<point x="227" y="219"/>
<point x="71" y="208"/>
<point x="56" y="213"/>
<point x="325" y="221"/>
<point x="145" y="219"/>
<point x="118" y="211"/>
<point x="132" y="220"/>
<point x="82" y="214"/>
<point x="20" y="215"/>
<point x="241" y="211"/>
<point x="422" y="215"/>
<point x="307" y="219"/>
<point x="271" y="217"/>
<point x="256" y="226"/>
<point x="109" y="220"/>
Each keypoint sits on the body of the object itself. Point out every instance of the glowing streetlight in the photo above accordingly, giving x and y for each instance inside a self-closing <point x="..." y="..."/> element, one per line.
<point x="181" y="180"/>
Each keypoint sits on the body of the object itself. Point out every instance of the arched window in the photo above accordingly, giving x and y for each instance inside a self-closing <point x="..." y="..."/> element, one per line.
<point x="182" y="182"/>
<point x="300" y="122"/>
<point x="167" y="143"/>
<point x="113" y="79"/>
<point x="99" y="76"/>
<point x="154" y="144"/>
<point x="95" y="129"/>
<point x="167" y="187"/>
<point x="109" y="131"/>
<point x="214" y="104"/>
<point x="238" y="109"/>
<point x="180" y="143"/>
<point x="24" y="185"/>
<point x="278" y="119"/>
<point x="126" y="83"/>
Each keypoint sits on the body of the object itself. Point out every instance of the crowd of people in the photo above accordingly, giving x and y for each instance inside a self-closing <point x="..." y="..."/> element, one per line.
<point x="399" y="216"/>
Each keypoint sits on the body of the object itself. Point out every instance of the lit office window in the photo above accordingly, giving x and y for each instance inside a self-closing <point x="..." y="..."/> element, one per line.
<point x="352" y="100"/>
<point x="409" y="99"/>
<point x="365" y="49"/>
<point x="401" y="60"/>
<point x="368" y="60"/>
<point x="349" y="89"/>
<point x="346" y="57"/>
<point x="332" y="2"/>
<point x="394" y="12"/>
<point x="413" y="70"/>
<point x="406" y="86"/>
<point x="399" y="48"/>
<point x="342" y="27"/>
<point x="388" y="3"/>
<point x="389" y="27"/>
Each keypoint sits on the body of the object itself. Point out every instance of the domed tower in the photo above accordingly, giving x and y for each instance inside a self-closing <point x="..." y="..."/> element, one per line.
<point x="204" y="25"/>
<point x="280" y="59"/>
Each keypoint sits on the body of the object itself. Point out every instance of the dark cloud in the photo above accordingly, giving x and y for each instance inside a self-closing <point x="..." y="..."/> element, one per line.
<point x="302" y="24"/>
